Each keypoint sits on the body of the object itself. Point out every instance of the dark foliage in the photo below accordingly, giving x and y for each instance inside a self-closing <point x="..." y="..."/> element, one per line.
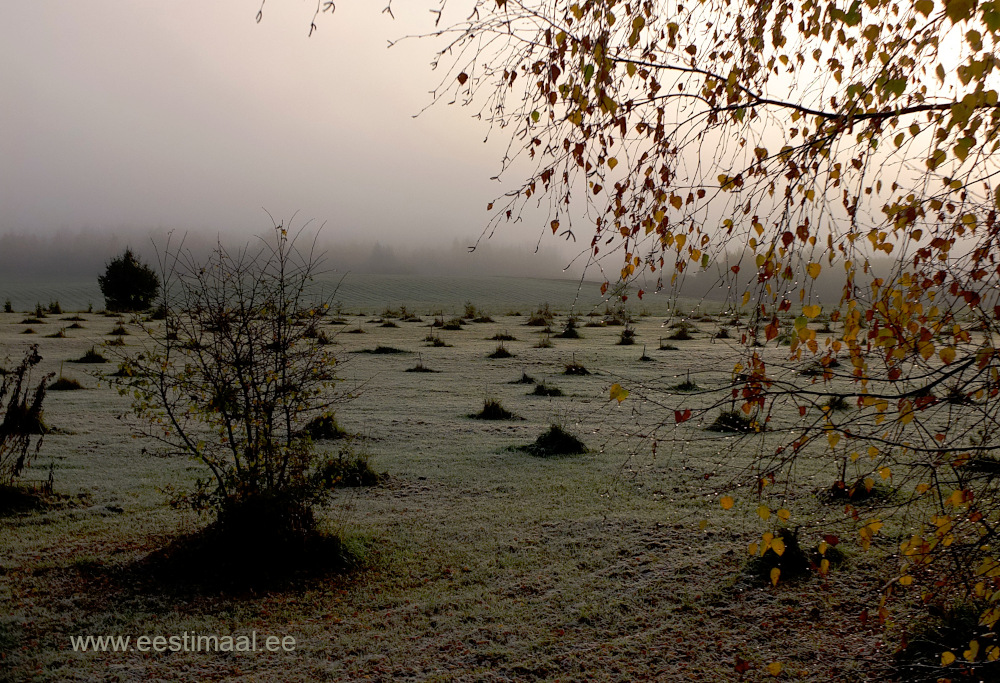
<point x="128" y="284"/>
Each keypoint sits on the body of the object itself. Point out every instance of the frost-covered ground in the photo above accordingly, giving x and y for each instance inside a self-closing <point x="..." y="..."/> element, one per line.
<point x="485" y="563"/>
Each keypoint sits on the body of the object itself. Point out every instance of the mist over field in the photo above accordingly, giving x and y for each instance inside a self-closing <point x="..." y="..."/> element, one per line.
<point x="64" y="267"/>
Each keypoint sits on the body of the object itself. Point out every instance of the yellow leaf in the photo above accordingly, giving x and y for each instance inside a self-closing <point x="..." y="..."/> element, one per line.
<point x="784" y="514"/>
<point x="885" y="473"/>
<point x="775" y="573"/>
<point x="972" y="652"/>
<point x="774" y="668"/>
<point x="618" y="393"/>
<point x="905" y="580"/>
<point x="925" y="7"/>
<point x="813" y="270"/>
<point x="947" y="658"/>
<point x="947" y="355"/>
<point x="752" y="549"/>
<point x="811" y="311"/>
<point x="612" y="162"/>
<point x="746" y="298"/>
<point x="824" y="566"/>
<point x="764" y="512"/>
<point x="778" y="546"/>
<point x="727" y="502"/>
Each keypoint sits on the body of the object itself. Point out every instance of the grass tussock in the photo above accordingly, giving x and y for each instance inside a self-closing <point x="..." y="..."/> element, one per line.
<point x="575" y="368"/>
<point x="627" y="336"/>
<point x="542" y="389"/>
<point x="65" y="384"/>
<point x="324" y="428"/>
<point x="503" y="336"/>
<point x="836" y="402"/>
<point x="555" y="441"/>
<point x="349" y="469"/>
<point x="734" y="421"/>
<point x="501" y="352"/>
<point x="92" y="356"/>
<point x="793" y="563"/>
<point x="544" y="343"/>
<point x="865" y="491"/>
<point x="525" y="378"/>
<point x="385" y="350"/>
<point x="420" y="367"/>
<point x="493" y="410"/>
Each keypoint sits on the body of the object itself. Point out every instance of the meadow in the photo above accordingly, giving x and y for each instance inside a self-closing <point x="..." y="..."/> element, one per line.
<point x="482" y="561"/>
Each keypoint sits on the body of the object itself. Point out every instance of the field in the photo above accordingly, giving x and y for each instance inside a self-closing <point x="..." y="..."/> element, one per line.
<point x="483" y="562"/>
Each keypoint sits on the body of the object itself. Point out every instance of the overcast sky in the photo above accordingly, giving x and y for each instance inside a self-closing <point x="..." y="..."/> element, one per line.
<point x="141" y="115"/>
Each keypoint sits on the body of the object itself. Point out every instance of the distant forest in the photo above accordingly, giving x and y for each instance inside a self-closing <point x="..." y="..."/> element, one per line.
<point x="79" y="256"/>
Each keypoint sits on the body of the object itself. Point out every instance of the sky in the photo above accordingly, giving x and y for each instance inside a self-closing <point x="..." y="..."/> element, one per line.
<point x="134" y="118"/>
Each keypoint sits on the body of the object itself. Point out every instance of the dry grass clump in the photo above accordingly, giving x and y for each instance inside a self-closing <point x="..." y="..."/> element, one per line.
<point x="501" y="352"/>
<point x="65" y="384"/>
<point x="570" y="331"/>
<point x="687" y="385"/>
<point x="420" y="367"/>
<point x="627" y="336"/>
<point x="324" y="427"/>
<point x="350" y="470"/>
<point x="92" y="356"/>
<point x="555" y="441"/>
<point x="503" y="336"/>
<point x="385" y="350"/>
<point x="493" y="410"/>
<point x="733" y="421"/>
<point x="542" y="389"/>
<point x="793" y="563"/>
<point x="575" y="368"/>
<point x="525" y="378"/>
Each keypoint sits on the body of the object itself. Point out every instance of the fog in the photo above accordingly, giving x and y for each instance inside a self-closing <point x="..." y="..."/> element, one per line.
<point x="120" y="119"/>
<point x="83" y="255"/>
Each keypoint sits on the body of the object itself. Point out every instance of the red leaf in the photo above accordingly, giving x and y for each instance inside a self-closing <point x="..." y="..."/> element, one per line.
<point x="736" y="269"/>
<point x="802" y="411"/>
<point x="831" y="539"/>
<point x="742" y="665"/>
<point x="682" y="415"/>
